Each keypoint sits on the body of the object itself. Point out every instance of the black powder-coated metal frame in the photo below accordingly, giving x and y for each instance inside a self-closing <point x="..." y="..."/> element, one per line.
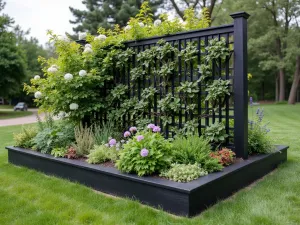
<point x="234" y="69"/>
<point x="186" y="199"/>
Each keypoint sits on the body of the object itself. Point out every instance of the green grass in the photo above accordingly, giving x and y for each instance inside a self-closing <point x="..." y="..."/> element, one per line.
<point x="30" y="197"/>
<point x="6" y="114"/>
<point x="6" y="107"/>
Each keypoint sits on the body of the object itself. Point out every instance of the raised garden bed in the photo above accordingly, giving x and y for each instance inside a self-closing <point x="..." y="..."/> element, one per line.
<point x="187" y="199"/>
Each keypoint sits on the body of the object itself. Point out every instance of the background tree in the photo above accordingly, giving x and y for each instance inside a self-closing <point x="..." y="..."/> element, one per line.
<point x="31" y="49"/>
<point x="180" y="5"/>
<point x="272" y="43"/>
<point x="106" y="13"/>
<point x="12" y="63"/>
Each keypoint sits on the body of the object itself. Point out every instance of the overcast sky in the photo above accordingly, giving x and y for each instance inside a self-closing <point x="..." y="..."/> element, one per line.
<point x="41" y="15"/>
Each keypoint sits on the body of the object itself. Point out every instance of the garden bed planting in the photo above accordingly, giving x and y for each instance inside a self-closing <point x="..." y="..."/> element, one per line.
<point x="186" y="199"/>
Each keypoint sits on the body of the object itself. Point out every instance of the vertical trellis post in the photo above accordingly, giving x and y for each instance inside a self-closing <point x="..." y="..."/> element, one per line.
<point x="240" y="86"/>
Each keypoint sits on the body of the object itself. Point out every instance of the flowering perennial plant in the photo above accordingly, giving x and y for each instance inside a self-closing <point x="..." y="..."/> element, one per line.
<point x="144" y="154"/>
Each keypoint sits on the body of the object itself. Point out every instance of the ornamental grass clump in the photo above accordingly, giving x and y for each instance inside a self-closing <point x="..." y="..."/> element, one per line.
<point x="146" y="153"/>
<point x="184" y="173"/>
<point x="104" y="131"/>
<point x="193" y="149"/>
<point x="84" y="140"/>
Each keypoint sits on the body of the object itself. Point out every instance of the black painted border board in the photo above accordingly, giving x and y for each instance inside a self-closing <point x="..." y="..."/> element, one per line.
<point x="186" y="199"/>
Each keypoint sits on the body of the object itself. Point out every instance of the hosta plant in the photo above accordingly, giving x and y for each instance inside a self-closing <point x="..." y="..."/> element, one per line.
<point x="216" y="133"/>
<point x="59" y="152"/>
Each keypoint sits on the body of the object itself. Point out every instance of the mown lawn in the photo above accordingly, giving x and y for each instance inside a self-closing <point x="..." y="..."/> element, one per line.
<point x="6" y="107"/>
<point x="29" y="197"/>
<point x="9" y="114"/>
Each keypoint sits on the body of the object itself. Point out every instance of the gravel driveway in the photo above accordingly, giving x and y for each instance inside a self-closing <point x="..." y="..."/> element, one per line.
<point x="22" y="120"/>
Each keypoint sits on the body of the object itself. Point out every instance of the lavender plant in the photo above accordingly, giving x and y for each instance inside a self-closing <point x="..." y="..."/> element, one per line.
<point x="259" y="142"/>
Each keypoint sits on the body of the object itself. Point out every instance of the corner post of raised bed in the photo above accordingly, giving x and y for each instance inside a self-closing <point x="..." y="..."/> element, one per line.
<point x="240" y="84"/>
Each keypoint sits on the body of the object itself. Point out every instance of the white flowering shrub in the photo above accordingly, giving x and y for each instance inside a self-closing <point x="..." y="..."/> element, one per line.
<point x="72" y="83"/>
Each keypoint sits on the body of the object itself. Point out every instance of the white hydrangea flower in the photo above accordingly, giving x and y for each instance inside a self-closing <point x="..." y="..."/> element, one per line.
<point x="141" y="24"/>
<point x="63" y="38"/>
<point x="88" y="46"/>
<point x="88" y="50"/>
<point x="82" y="35"/>
<point x="100" y="37"/>
<point x="73" y="106"/>
<point x="52" y="69"/>
<point x="157" y="23"/>
<point x="68" y="76"/>
<point x="128" y="27"/>
<point x="55" y="66"/>
<point x="82" y="73"/>
<point x="37" y="77"/>
<point x="61" y="114"/>
<point x="38" y="94"/>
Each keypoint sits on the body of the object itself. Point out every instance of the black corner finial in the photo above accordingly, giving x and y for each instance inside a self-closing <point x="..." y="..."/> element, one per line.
<point x="240" y="14"/>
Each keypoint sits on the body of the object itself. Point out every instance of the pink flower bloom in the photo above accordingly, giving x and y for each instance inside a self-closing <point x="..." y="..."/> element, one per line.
<point x="132" y="129"/>
<point x="127" y="134"/>
<point x="112" y="142"/>
<point x="156" y="129"/>
<point x="140" y="137"/>
<point x="144" y="152"/>
<point x="151" y="126"/>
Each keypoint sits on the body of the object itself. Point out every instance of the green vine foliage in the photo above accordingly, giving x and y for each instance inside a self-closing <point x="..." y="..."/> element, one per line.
<point x="95" y="84"/>
<point x="217" y="91"/>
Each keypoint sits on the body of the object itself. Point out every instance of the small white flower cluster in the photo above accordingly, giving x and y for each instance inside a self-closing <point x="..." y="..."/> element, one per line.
<point x="53" y="69"/>
<point x="37" y="77"/>
<point x="68" y="76"/>
<point x="157" y="23"/>
<point x="82" y="73"/>
<point x="63" y="38"/>
<point x="88" y="49"/>
<point x="127" y="28"/>
<point x="82" y="35"/>
<point x="38" y="95"/>
<point x="74" y="106"/>
<point x="100" y="37"/>
<point x="61" y="114"/>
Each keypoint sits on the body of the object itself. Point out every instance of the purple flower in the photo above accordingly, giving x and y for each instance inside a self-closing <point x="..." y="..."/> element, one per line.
<point x="112" y="142"/>
<point x="151" y="126"/>
<point x="257" y="111"/>
<point x="127" y="134"/>
<point x="156" y="129"/>
<point x="251" y="101"/>
<point x="132" y="129"/>
<point x="144" y="152"/>
<point x="140" y="137"/>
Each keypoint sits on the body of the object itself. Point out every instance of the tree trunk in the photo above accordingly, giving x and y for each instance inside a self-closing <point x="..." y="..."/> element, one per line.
<point x="281" y="85"/>
<point x="296" y="80"/>
<point x="277" y="88"/>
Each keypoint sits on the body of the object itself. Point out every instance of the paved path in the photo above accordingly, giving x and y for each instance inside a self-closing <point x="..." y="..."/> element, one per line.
<point x="21" y="120"/>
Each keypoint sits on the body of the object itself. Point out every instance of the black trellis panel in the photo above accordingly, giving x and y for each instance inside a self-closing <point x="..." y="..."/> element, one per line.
<point x="234" y="68"/>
